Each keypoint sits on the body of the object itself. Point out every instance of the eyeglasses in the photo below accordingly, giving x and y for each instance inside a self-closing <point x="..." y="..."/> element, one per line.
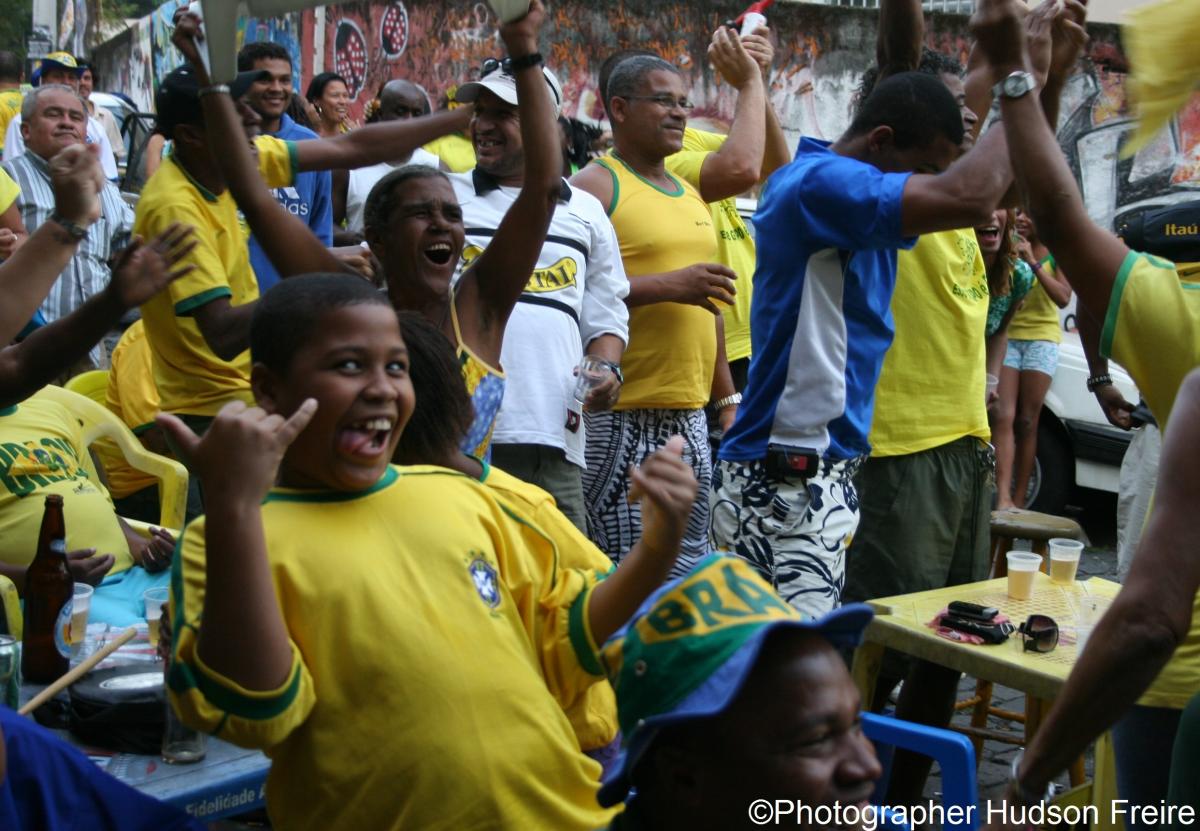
<point x="1039" y="633"/>
<point x="667" y="102"/>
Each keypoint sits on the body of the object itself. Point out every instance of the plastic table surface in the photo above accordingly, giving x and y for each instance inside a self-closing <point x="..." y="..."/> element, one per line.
<point x="900" y="624"/>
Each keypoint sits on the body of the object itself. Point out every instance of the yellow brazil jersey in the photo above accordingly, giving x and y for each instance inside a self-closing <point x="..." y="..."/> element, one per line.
<point x="735" y="245"/>
<point x="434" y="640"/>
<point x="931" y="390"/>
<point x="42" y="452"/>
<point x="1037" y="319"/>
<point x="672" y="346"/>
<point x="455" y="151"/>
<point x="132" y="396"/>
<point x="594" y="715"/>
<point x="190" y="378"/>
<point x="10" y="105"/>
<point x="9" y="190"/>
<point x="1153" y="330"/>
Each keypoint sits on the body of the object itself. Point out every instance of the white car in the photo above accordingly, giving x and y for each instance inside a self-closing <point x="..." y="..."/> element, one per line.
<point x="1076" y="444"/>
<point x="1077" y="447"/>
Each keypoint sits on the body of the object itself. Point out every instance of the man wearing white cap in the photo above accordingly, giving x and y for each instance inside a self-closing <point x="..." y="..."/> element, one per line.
<point x="572" y="305"/>
<point x="61" y="68"/>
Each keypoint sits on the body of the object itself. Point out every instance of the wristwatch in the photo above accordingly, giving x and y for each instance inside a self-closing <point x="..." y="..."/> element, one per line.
<point x="1097" y="381"/>
<point x="1016" y="85"/>
<point x="74" y="230"/>
<point x="727" y="401"/>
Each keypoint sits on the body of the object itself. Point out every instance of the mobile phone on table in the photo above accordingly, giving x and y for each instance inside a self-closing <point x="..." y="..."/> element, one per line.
<point x="972" y="611"/>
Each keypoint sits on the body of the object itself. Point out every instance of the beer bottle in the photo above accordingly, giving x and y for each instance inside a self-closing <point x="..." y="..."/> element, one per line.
<point x="49" y="593"/>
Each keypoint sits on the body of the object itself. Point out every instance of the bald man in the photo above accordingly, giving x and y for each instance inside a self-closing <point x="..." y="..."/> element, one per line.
<point x="398" y="99"/>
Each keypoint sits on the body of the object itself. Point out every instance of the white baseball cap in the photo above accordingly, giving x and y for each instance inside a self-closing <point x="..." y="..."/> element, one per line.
<point x="501" y="82"/>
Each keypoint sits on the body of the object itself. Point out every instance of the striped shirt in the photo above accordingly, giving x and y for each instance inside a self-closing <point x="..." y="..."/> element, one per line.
<point x="87" y="273"/>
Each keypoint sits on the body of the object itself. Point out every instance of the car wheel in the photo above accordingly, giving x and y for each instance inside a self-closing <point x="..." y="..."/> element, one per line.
<point x="1053" y="470"/>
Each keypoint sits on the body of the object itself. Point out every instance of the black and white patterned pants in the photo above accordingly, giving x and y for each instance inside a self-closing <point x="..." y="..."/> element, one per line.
<point x="794" y="531"/>
<point x="617" y="440"/>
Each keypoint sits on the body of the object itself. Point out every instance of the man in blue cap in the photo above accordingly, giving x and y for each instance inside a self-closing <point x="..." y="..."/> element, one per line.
<point x="729" y="700"/>
<point x="61" y="68"/>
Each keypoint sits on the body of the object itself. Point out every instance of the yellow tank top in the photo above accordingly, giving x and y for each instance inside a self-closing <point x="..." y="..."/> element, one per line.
<point x="672" y="346"/>
<point x="1037" y="319"/>
<point x="485" y="385"/>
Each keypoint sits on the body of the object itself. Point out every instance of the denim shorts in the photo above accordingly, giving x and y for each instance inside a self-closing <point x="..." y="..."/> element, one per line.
<point x="1032" y="356"/>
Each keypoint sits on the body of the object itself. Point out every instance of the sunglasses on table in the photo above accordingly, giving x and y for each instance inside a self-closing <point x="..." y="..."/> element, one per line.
<point x="1039" y="633"/>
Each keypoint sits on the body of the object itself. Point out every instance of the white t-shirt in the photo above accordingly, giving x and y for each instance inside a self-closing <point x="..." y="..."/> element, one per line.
<point x="364" y="178"/>
<point x="576" y="294"/>
<point x="14" y="144"/>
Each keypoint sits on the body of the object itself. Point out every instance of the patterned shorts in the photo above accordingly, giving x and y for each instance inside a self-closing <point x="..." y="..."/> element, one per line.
<point x="1032" y="356"/>
<point x="795" y="531"/>
<point x="618" y="439"/>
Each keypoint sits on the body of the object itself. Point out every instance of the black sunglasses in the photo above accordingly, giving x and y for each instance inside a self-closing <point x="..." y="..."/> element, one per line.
<point x="1039" y="633"/>
<point x="492" y="64"/>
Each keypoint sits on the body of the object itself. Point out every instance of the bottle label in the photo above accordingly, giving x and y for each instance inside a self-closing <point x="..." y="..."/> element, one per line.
<point x="62" y="629"/>
<point x="58" y="546"/>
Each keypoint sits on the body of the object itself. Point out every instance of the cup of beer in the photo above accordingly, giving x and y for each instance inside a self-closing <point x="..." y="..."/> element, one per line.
<point x="1022" y="568"/>
<point x="1064" y="559"/>
<point x="155" y="600"/>
<point x="81" y="604"/>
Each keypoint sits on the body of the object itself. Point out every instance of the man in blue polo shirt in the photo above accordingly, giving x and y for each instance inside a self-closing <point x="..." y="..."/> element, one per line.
<point x="309" y="196"/>
<point x="830" y="225"/>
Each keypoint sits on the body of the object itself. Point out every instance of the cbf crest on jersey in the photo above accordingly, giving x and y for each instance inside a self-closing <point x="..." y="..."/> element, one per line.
<point x="486" y="581"/>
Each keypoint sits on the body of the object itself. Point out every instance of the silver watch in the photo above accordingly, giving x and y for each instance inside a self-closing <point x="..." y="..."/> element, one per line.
<point x="1016" y="85"/>
<point x="727" y="401"/>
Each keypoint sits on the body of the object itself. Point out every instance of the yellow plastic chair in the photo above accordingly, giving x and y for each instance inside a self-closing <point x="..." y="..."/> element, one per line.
<point x="98" y="422"/>
<point x="93" y="384"/>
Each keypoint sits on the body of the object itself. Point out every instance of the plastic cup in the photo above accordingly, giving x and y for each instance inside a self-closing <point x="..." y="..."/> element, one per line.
<point x="155" y="598"/>
<point x="81" y="604"/>
<point x="1022" y="568"/>
<point x="1064" y="559"/>
<point x="992" y="383"/>
<point x="591" y="373"/>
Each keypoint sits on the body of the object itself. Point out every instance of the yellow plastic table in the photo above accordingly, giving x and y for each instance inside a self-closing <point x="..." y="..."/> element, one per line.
<point x="900" y="624"/>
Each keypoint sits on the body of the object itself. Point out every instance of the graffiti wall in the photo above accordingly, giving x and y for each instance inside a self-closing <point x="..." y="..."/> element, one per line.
<point x="823" y="51"/>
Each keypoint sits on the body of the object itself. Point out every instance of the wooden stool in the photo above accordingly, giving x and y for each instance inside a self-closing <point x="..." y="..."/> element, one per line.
<point x="1007" y="528"/>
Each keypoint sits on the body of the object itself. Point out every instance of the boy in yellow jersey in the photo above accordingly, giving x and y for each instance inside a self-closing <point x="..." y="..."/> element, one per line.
<point x="390" y="636"/>
<point x="1151" y="326"/>
<point x="675" y="363"/>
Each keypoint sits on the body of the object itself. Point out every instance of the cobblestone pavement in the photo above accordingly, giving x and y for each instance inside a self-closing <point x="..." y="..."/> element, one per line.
<point x="1096" y="514"/>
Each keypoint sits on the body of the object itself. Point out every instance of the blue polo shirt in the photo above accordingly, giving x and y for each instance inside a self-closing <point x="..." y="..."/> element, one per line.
<point x="828" y="229"/>
<point x="309" y="198"/>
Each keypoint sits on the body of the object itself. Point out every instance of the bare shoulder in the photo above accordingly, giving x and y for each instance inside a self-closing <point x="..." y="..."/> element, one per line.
<point x="597" y="180"/>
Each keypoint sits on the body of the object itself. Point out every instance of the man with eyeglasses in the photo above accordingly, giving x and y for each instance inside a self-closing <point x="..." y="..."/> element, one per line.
<point x="676" y="363"/>
<point x="398" y="100"/>
<point x="573" y="303"/>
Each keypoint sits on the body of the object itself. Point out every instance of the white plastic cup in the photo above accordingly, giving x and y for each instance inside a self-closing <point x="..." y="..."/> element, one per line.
<point x="992" y="383"/>
<point x="751" y="22"/>
<point x="1064" y="559"/>
<point x="81" y="604"/>
<point x="154" y="598"/>
<point x="1022" y="568"/>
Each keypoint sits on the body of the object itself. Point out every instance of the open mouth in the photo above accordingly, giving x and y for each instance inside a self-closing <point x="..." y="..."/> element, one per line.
<point x="988" y="236"/>
<point x="365" y="439"/>
<point x="439" y="253"/>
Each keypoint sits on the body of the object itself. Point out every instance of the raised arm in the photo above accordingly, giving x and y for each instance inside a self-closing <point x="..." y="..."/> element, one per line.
<point x="27" y="275"/>
<point x="776" y="152"/>
<point x="489" y="289"/>
<point x="737" y="165"/>
<point x="1090" y="255"/>
<point x="900" y="36"/>
<point x="1147" y="621"/>
<point x="140" y="273"/>
<point x="286" y="239"/>
<point x="375" y="143"/>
